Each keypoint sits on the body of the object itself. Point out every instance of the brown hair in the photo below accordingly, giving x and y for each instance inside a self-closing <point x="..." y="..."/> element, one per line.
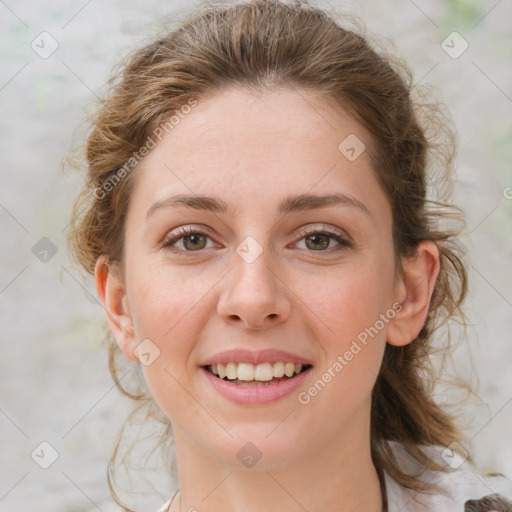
<point x="264" y="44"/>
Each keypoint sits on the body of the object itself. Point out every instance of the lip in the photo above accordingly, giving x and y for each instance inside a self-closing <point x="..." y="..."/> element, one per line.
<point x="255" y="395"/>
<point x="255" y="357"/>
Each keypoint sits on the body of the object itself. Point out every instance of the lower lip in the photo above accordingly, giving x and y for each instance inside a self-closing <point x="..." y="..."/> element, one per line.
<point x="256" y="395"/>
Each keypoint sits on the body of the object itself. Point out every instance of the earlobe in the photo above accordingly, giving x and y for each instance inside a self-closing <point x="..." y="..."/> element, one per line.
<point x="111" y="292"/>
<point x="414" y="290"/>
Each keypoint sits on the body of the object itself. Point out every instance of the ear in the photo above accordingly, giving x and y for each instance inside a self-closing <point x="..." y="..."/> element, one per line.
<point x="111" y="292"/>
<point x="413" y="291"/>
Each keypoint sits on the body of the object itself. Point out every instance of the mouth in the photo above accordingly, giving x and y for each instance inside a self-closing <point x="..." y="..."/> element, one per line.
<point x="250" y="375"/>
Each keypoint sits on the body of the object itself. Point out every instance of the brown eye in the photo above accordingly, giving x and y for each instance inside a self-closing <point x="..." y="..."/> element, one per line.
<point x="186" y="240"/>
<point x="195" y="241"/>
<point x="321" y="240"/>
<point x="318" y="241"/>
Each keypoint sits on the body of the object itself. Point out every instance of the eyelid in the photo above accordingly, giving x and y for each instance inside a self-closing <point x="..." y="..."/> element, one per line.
<point x="322" y="228"/>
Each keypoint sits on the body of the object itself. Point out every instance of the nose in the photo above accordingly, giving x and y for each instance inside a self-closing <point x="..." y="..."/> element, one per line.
<point x="254" y="295"/>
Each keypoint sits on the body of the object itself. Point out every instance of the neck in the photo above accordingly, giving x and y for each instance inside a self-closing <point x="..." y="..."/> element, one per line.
<point x="338" y="476"/>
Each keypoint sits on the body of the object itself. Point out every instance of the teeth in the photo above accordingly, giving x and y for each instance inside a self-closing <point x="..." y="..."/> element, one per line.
<point x="231" y="371"/>
<point x="289" y="369"/>
<point x="278" y="370"/>
<point x="262" y="372"/>
<point x="245" y="371"/>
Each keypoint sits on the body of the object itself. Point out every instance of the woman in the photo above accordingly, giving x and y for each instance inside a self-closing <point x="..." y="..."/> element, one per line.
<point x="257" y="221"/>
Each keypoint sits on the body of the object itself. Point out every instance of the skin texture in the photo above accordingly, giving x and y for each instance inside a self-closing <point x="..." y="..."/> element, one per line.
<point x="252" y="150"/>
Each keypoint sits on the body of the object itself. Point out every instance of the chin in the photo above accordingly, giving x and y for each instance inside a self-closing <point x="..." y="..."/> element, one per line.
<point x="259" y="447"/>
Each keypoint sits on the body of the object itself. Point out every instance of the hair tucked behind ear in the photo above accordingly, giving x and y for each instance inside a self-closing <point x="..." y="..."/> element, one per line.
<point x="269" y="44"/>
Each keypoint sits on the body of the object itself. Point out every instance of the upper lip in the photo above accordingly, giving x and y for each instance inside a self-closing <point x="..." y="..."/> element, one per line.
<point x="254" y="357"/>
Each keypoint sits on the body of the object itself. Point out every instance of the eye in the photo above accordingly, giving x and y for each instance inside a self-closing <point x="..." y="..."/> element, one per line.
<point x="318" y="240"/>
<point x="192" y="240"/>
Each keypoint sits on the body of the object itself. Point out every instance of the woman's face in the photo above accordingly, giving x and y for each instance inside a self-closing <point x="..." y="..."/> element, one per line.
<point x="287" y="257"/>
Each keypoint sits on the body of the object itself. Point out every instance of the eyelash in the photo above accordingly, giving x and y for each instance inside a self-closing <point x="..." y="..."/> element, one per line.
<point x="169" y="241"/>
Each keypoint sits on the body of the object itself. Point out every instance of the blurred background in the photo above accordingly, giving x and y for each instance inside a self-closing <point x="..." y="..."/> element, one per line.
<point x="59" y="408"/>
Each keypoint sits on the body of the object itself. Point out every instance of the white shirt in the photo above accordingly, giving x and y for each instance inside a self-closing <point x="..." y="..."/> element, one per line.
<point x="463" y="488"/>
<point x="460" y="487"/>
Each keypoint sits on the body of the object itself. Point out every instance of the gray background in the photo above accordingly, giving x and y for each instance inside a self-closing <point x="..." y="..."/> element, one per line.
<point x="55" y="385"/>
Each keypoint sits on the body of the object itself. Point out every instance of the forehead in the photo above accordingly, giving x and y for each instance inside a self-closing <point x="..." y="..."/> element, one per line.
<point x="261" y="145"/>
<point x="283" y="118"/>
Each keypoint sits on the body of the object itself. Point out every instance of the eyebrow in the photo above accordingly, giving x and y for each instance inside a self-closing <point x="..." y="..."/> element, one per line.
<point x="296" y="203"/>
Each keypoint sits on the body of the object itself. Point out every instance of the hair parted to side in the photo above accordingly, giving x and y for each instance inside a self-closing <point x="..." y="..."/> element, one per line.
<point x="266" y="44"/>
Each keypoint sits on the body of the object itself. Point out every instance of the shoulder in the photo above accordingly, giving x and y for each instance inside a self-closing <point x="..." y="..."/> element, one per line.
<point x="462" y="489"/>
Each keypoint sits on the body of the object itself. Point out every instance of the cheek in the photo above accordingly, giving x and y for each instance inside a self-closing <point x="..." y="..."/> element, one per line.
<point x="170" y="309"/>
<point x="352" y="301"/>
<point x="353" y="349"/>
<point x="164" y="302"/>
<point x="165" y="311"/>
<point x="355" y="311"/>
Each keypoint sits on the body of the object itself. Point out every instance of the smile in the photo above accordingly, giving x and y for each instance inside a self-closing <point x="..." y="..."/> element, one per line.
<point x="258" y="384"/>
<point x="250" y="374"/>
